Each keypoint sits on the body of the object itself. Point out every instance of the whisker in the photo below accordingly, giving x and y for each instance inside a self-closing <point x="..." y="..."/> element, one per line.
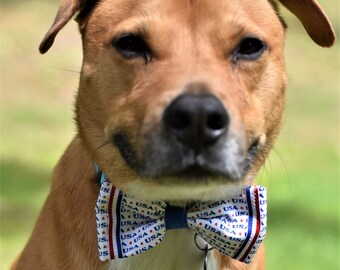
<point x="63" y="69"/>
<point x="283" y="162"/>
<point x="261" y="156"/>
<point x="97" y="149"/>
<point x="270" y="173"/>
<point x="268" y="161"/>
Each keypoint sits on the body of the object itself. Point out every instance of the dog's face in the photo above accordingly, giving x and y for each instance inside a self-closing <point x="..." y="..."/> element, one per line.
<point x="181" y="100"/>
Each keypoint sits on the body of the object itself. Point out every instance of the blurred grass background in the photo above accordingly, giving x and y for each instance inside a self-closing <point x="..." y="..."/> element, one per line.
<point x="302" y="174"/>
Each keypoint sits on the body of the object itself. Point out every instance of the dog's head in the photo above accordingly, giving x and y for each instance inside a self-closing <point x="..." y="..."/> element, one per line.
<point x="182" y="99"/>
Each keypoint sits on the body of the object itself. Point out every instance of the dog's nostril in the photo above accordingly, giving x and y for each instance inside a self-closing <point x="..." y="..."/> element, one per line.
<point x="216" y="121"/>
<point x="179" y="120"/>
<point x="196" y="120"/>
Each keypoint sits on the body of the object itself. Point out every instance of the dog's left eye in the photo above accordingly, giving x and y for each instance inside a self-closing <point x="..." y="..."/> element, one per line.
<point x="132" y="46"/>
<point x="249" y="49"/>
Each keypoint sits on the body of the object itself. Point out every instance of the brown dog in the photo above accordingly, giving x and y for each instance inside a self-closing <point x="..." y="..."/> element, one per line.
<point x="179" y="100"/>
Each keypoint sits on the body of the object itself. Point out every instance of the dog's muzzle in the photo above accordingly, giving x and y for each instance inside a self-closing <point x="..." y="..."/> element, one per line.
<point x="192" y="142"/>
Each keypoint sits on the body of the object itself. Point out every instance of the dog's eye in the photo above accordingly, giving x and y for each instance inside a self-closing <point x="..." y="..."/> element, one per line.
<point x="132" y="46"/>
<point x="249" y="49"/>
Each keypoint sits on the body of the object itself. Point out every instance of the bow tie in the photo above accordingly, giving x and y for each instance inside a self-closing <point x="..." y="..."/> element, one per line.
<point x="127" y="226"/>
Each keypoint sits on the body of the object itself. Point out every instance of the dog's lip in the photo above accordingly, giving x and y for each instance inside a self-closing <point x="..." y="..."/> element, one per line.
<point x="199" y="174"/>
<point x="195" y="172"/>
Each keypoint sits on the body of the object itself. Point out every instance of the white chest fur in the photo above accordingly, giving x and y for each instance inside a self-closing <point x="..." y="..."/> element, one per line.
<point x="176" y="252"/>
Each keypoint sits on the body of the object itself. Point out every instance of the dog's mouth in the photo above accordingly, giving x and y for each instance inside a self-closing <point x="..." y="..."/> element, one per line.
<point x="163" y="160"/>
<point x="195" y="172"/>
<point x="207" y="171"/>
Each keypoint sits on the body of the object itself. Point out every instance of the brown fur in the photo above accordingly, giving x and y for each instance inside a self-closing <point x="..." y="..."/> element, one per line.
<point x="192" y="42"/>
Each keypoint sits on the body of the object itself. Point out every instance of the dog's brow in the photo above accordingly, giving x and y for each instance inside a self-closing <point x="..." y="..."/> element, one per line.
<point x="137" y="27"/>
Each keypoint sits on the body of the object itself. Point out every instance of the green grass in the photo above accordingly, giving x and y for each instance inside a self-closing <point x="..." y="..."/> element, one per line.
<point x="302" y="174"/>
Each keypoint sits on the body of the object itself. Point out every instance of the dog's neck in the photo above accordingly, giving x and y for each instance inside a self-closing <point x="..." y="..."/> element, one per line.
<point x="177" y="251"/>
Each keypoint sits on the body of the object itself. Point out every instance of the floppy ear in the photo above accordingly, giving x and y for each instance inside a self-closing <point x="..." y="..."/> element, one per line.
<point x="313" y="19"/>
<point x="67" y="10"/>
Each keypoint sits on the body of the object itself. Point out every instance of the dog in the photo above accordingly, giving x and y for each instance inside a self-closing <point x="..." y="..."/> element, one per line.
<point x="179" y="101"/>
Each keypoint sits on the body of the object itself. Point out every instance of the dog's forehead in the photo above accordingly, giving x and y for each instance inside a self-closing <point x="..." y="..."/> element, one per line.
<point x="230" y="15"/>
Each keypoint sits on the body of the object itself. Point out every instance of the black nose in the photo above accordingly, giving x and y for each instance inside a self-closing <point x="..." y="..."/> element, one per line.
<point x="197" y="120"/>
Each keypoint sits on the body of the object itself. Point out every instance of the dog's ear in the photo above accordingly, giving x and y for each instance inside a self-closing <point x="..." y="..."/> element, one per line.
<point x="313" y="19"/>
<point x="67" y="9"/>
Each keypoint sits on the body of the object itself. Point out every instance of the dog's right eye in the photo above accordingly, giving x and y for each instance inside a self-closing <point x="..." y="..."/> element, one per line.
<point x="132" y="46"/>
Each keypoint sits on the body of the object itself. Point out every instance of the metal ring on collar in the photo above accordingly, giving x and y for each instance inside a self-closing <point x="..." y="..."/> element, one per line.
<point x="206" y="246"/>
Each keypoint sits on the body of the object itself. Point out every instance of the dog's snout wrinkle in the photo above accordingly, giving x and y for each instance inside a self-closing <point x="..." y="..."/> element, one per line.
<point x="126" y="150"/>
<point x="197" y="121"/>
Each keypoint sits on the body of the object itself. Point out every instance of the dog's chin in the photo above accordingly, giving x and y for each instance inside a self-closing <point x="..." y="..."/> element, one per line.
<point x="181" y="190"/>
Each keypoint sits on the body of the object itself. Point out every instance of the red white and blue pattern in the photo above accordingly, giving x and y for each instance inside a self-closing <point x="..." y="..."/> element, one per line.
<point x="127" y="226"/>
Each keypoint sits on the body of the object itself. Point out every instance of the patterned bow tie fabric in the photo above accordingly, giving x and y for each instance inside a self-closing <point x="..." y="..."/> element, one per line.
<point x="127" y="226"/>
